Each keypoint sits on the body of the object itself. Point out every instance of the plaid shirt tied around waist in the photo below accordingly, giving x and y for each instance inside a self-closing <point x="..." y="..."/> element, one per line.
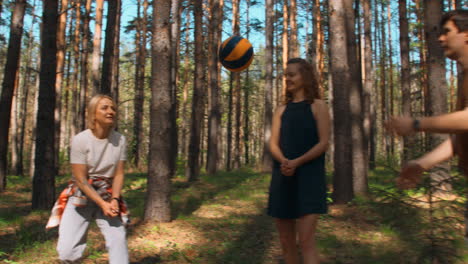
<point x="103" y="187"/>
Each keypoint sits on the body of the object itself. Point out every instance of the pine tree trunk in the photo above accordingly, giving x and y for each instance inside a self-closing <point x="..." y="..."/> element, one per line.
<point x="107" y="75"/>
<point x="8" y="86"/>
<point x="198" y="97"/>
<point x="267" y="160"/>
<point x="158" y="203"/>
<point x="408" y="142"/>
<point x="140" y="45"/>
<point x="14" y="128"/>
<point x="78" y="110"/>
<point x="368" y="81"/>
<point x="43" y="193"/>
<point x="293" y="45"/>
<point x="390" y="76"/>
<point x="341" y="78"/>
<point x="61" y="26"/>
<point x="436" y="80"/>
<point x="285" y="45"/>
<point x="96" y="57"/>
<point x="175" y="32"/>
<point x="359" y="142"/>
<point x="84" y="61"/>
<point x="229" y="123"/>
<point x="214" y="119"/>
<point x="187" y="72"/>
<point x="26" y="88"/>
<point x="246" y="89"/>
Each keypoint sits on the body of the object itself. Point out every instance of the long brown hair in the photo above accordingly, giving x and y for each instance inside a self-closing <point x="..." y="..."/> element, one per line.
<point x="460" y="19"/>
<point x="309" y="77"/>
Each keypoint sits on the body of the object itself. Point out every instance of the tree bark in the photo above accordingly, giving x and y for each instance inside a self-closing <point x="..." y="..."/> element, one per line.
<point x="368" y="81"/>
<point x="140" y="43"/>
<point x="293" y="44"/>
<point x="8" y="86"/>
<point x="267" y="160"/>
<point x="359" y="141"/>
<point x="110" y="52"/>
<point x="436" y="80"/>
<point x="198" y="99"/>
<point x="408" y="142"/>
<point x="175" y="33"/>
<point x="43" y="194"/>
<point x="214" y="119"/>
<point x="341" y="78"/>
<point x="158" y="202"/>
<point x="96" y="57"/>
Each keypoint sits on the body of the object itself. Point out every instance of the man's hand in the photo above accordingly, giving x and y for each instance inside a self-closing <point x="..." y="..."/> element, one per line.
<point x="400" y="125"/>
<point x="410" y="175"/>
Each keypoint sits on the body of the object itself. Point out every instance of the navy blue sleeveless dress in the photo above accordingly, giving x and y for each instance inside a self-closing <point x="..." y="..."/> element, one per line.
<point x="304" y="192"/>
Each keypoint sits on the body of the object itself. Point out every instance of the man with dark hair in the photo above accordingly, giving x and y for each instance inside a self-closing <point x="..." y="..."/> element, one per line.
<point x="454" y="41"/>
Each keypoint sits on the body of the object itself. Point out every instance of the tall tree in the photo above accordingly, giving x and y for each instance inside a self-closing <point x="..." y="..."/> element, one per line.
<point x="110" y="50"/>
<point x="285" y="43"/>
<point x="293" y="43"/>
<point x="198" y="99"/>
<point x="405" y="74"/>
<point x="96" y="57"/>
<point x="140" y="45"/>
<point x="341" y="78"/>
<point x="436" y="77"/>
<point x="43" y="193"/>
<point x="176" y="11"/>
<point x="246" y="89"/>
<point x="237" y="90"/>
<point x="214" y="118"/>
<point x="369" y="123"/>
<point x="317" y="43"/>
<point x="267" y="160"/>
<point x="61" y="42"/>
<point x="391" y="83"/>
<point x="27" y="91"/>
<point x="359" y="142"/>
<point x="9" y="81"/>
<point x="84" y="56"/>
<point x="158" y="203"/>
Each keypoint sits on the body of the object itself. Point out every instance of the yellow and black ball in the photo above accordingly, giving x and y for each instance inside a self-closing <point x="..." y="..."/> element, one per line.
<point x="236" y="53"/>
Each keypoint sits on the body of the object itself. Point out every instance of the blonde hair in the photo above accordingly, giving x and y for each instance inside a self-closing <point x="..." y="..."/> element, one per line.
<point x="92" y="106"/>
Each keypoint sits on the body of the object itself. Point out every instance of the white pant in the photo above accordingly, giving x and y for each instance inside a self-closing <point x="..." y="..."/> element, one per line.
<point x="74" y="228"/>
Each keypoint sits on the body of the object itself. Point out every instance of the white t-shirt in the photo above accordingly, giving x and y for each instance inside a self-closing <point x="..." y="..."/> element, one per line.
<point x="101" y="155"/>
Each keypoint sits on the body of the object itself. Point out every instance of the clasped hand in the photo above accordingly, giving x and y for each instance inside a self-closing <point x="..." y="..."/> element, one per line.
<point x="288" y="167"/>
<point x="110" y="209"/>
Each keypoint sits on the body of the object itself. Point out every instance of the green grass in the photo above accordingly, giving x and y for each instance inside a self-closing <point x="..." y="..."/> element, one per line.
<point x="221" y="219"/>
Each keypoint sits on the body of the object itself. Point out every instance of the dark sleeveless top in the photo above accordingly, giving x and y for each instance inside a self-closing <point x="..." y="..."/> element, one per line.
<point x="305" y="191"/>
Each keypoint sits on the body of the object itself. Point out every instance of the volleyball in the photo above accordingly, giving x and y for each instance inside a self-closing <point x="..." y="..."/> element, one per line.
<point x="236" y="53"/>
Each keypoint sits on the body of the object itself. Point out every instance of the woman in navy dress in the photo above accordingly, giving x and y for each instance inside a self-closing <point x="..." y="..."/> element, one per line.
<point x="299" y="139"/>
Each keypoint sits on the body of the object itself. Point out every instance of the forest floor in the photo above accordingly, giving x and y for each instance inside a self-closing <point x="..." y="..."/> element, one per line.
<point x="221" y="219"/>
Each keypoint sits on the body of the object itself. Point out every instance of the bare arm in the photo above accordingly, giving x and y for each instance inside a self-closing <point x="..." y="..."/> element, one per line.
<point x="79" y="171"/>
<point x="456" y="122"/>
<point x="117" y="184"/>
<point x="442" y="152"/>
<point x="275" y="135"/>
<point x="411" y="173"/>
<point x="322" y="118"/>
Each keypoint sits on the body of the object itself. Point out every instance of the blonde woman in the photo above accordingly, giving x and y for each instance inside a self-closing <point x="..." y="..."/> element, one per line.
<point x="97" y="158"/>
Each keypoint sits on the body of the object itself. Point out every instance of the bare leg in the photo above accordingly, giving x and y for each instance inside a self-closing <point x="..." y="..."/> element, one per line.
<point x="287" y="233"/>
<point x="306" y="226"/>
